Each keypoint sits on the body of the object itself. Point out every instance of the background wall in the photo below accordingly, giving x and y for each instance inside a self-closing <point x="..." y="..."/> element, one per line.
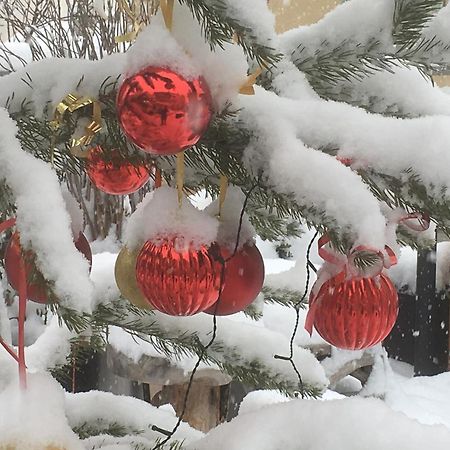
<point x="292" y="13"/>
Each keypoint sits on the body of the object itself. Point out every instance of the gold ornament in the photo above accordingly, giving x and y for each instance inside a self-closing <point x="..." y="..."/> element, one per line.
<point x="125" y="273"/>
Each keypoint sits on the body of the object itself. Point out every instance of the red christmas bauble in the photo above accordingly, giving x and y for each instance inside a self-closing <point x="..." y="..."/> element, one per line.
<point x="357" y="313"/>
<point x="36" y="291"/>
<point x="162" y="112"/>
<point x="178" y="283"/>
<point x="116" y="176"/>
<point x="244" y="277"/>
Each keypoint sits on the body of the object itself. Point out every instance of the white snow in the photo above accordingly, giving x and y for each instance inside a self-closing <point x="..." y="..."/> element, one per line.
<point x="35" y="418"/>
<point x="43" y="220"/>
<point x="356" y="22"/>
<point x="246" y="342"/>
<point x="349" y="424"/>
<point x="159" y="218"/>
<point x="316" y="179"/>
<point x="103" y="409"/>
<point x="229" y="230"/>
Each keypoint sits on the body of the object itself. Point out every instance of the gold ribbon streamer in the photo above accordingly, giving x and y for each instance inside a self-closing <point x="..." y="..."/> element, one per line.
<point x="247" y="88"/>
<point x="133" y="15"/>
<point x="70" y="104"/>
<point x="180" y="177"/>
<point x="223" y="188"/>
<point x="167" y="12"/>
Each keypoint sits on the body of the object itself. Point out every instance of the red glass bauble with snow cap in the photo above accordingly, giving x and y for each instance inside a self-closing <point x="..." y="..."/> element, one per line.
<point x="179" y="281"/>
<point x="243" y="281"/>
<point x="36" y="285"/>
<point x="162" y="112"/>
<point x="115" y="175"/>
<point x="355" y="313"/>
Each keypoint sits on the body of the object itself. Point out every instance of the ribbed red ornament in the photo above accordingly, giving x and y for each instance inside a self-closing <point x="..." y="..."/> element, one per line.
<point x="162" y="112"/>
<point x="35" y="291"/>
<point x="244" y="277"/>
<point x="357" y="313"/>
<point x="178" y="283"/>
<point x="116" y="176"/>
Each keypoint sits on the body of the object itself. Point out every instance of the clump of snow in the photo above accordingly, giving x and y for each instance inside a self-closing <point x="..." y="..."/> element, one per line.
<point x="282" y="320"/>
<point x="102" y="275"/>
<point x="50" y="80"/>
<point x="229" y="230"/>
<point x="422" y="398"/>
<point x="256" y="400"/>
<point x="224" y="69"/>
<point x="75" y="212"/>
<point x="348" y="424"/>
<point x="247" y="343"/>
<point x="314" y="178"/>
<point x="110" y="244"/>
<point x="293" y="279"/>
<point x="102" y="409"/>
<point x="50" y="349"/>
<point x="185" y="51"/>
<point x="156" y="46"/>
<point x="43" y="220"/>
<point x="339" y="358"/>
<point x="403" y="274"/>
<point x="256" y="15"/>
<point x="438" y="30"/>
<point x="291" y="83"/>
<point x="159" y="218"/>
<point x="348" y="385"/>
<point x="355" y="22"/>
<point x="386" y="91"/>
<point x="35" y="418"/>
<point x="14" y="55"/>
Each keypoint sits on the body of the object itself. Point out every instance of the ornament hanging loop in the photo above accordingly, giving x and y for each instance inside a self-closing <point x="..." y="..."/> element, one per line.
<point x="223" y="188"/>
<point x="180" y="177"/>
<point x="167" y="12"/>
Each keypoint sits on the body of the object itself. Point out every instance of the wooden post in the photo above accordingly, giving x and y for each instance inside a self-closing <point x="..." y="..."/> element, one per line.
<point x="431" y="319"/>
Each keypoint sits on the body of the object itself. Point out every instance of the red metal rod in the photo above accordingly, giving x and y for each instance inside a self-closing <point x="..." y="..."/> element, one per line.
<point x="21" y="325"/>
<point x="7" y="224"/>
<point x="158" y="178"/>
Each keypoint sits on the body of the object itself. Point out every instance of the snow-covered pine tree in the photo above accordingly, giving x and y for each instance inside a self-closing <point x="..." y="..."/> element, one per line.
<point x="355" y="87"/>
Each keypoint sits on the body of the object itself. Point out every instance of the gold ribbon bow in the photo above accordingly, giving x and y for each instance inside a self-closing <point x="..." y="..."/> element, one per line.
<point x="70" y="104"/>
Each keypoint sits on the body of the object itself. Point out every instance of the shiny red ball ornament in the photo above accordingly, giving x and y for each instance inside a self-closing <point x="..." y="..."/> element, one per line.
<point x="243" y="281"/>
<point x="178" y="282"/>
<point x="116" y="175"/>
<point x="162" y="112"/>
<point x="36" y="290"/>
<point x="357" y="313"/>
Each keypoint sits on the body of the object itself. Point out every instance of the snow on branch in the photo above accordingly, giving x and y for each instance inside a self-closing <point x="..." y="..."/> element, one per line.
<point x="314" y="178"/>
<point x="43" y="220"/>
<point x="101" y="410"/>
<point x="245" y="344"/>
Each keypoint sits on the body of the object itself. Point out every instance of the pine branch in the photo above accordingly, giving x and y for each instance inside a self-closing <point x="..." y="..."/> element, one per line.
<point x="348" y="62"/>
<point x="143" y="325"/>
<point x="410" y="194"/>
<point x="98" y="427"/>
<point x="411" y="17"/>
<point x="220" y="28"/>
<point x="284" y="297"/>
